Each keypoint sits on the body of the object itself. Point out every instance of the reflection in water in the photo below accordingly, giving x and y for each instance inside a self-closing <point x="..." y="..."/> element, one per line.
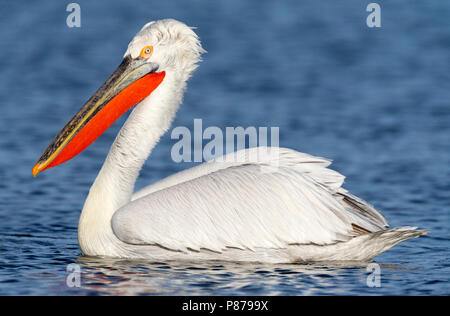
<point x="125" y="277"/>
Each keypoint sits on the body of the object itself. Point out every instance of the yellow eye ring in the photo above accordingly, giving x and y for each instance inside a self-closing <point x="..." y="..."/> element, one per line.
<point x="146" y="52"/>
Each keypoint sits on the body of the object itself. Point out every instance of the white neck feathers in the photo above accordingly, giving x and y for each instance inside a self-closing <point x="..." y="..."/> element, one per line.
<point x="114" y="184"/>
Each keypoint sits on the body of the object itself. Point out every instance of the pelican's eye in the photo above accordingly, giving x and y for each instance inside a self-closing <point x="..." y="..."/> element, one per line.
<point x="146" y="52"/>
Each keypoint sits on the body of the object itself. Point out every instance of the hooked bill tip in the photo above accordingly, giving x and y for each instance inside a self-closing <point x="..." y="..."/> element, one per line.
<point x="36" y="169"/>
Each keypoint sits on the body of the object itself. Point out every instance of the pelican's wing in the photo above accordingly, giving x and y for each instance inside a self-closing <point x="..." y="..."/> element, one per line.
<point x="268" y="198"/>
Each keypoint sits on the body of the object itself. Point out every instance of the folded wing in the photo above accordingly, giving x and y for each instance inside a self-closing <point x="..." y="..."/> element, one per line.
<point x="255" y="198"/>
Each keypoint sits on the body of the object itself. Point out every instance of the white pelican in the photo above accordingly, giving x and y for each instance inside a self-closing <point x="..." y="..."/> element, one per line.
<point x="234" y="210"/>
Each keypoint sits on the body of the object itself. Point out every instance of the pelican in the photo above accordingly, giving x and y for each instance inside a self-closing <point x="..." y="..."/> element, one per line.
<point x="282" y="207"/>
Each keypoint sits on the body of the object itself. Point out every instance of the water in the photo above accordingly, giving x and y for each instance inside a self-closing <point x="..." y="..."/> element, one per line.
<point x="375" y="101"/>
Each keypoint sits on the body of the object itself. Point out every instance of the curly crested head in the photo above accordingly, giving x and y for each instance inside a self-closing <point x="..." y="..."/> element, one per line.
<point x="174" y="46"/>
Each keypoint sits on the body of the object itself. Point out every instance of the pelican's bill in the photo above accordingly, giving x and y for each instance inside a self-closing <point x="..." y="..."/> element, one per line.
<point x="132" y="82"/>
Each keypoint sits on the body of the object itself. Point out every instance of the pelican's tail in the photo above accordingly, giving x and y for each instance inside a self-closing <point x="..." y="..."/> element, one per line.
<point x="378" y="242"/>
<point x="361" y="248"/>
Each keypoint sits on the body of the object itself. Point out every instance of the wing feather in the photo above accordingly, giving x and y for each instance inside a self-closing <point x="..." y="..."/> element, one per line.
<point x="271" y="199"/>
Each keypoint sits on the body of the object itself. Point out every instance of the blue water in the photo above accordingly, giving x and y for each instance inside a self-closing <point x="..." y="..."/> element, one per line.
<point x="376" y="101"/>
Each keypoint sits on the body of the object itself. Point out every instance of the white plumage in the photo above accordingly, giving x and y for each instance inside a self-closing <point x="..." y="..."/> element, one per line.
<point x="270" y="205"/>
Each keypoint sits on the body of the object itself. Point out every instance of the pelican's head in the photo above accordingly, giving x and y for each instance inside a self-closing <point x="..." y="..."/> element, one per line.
<point x="169" y="45"/>
<point x="160" y="48"/>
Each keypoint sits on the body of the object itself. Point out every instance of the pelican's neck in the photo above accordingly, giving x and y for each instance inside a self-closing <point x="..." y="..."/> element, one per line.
<point x="114" y="184"/>
<point x="135" y="141"/>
